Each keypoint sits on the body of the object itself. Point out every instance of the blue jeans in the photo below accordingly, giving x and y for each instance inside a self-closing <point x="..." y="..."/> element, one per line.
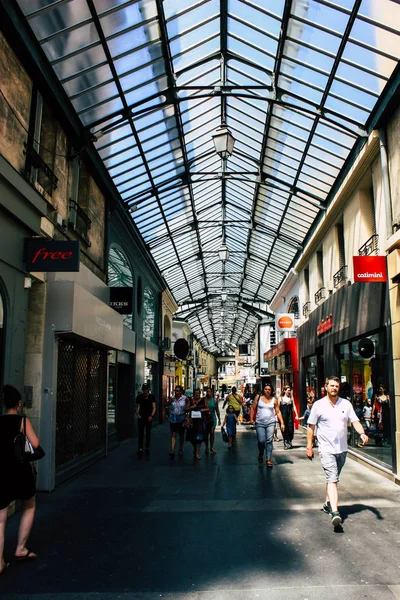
<point x="265" y="434"/>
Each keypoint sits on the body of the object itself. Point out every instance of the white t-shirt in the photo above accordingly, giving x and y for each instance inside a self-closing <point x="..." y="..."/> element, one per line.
<point x="332" y="424"/>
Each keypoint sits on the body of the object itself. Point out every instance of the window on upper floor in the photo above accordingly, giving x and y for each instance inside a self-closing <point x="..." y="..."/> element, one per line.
<point x="320" y="294"/>
<point x="79" y="199"/>
<point x="340" y="244"/>
<point x="307" y="303"/>
<point x="294" y="307"/>
<point x="341" y="273"/>
<point x="41" y="146"/>
<point x="167" y="333"/>
<point x="149" y="315"/>
<point x="120" y="275"/>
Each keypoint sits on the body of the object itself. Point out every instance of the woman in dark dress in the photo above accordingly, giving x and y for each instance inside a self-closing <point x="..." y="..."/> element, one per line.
<point x="196" y="432"/>
<point x="289" y="413"/>
<point x="17" y="481"/>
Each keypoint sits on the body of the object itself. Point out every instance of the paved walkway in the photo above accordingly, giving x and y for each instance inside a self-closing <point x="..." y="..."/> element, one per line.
<point x="215" y="529"/>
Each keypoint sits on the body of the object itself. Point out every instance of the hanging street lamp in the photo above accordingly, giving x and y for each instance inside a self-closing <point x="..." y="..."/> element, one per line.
<point x="223" y="141"/>
<point x="223" y="253"/>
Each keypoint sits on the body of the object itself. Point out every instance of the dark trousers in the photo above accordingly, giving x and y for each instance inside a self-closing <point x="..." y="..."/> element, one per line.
<point x="142" y="425"/>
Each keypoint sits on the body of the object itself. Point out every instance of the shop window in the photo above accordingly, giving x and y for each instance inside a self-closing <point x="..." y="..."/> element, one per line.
<point x="149" y="374"/>
<point x="311" y="367"/>
<point x="120" y="275"/>
<point x="364" y="381"/>
<point x="149" y="315"/>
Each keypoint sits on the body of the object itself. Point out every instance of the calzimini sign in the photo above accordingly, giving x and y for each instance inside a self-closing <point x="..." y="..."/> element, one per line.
<point x="370" y="268"/>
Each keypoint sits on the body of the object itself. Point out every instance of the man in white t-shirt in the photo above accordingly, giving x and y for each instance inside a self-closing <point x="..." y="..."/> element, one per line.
<point x="332" y="415"/>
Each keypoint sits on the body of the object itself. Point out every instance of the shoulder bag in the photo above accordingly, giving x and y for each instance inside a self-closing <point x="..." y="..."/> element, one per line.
<point x="23" y="450"/>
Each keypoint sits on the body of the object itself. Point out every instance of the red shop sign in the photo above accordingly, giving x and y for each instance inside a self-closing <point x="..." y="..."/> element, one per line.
<point x="370" y="268"/>
<point x="325" y="325"/>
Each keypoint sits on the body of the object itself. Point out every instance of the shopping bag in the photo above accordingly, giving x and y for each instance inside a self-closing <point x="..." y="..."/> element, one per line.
<point x="224" y="434"/>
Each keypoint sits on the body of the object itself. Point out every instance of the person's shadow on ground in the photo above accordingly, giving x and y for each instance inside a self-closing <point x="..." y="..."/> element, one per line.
<point x="353" y="509"/>
<point x="347" y="511"/>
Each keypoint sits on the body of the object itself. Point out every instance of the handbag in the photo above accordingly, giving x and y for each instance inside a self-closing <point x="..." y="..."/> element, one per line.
<point x="224" y="434"/>
<point x="208" y="418"/>
<point x="23" y="451"/>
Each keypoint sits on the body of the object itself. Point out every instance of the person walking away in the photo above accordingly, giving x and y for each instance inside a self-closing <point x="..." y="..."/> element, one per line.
<point x="234" y="399"/>
<point x="231" y="421"/>
<point x="332" y="415"/>
<point x="210" y="420"/>
<point x="196" y="433"/>
<point x="288" y="410"/>
<point x="263" y="412"/>
<point x="145" y="411"/>
<point x="17" y="479"/>
<point x="177" y="414"/>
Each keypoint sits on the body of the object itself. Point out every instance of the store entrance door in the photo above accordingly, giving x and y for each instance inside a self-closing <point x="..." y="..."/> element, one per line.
<point x="2" y="335"/>
<point x="124" y="402"/>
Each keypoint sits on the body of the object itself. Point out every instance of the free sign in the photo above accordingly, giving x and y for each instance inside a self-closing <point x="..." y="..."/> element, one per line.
<point x="41" y="254"/>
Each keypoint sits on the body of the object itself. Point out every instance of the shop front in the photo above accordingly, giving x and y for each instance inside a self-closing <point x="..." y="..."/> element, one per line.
<point x="121" y="365"/>
<point x="348" y="336"/>
<point x="283" y="366"/>
<point x="80" y="331"/>
<point x="152" y="375"/>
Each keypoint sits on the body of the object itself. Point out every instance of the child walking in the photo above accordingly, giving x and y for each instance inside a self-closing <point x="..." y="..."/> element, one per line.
<point x="231" y="421"/>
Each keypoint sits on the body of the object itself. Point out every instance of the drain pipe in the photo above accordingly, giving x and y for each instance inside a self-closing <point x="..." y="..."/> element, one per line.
<point x="386" y="182"/>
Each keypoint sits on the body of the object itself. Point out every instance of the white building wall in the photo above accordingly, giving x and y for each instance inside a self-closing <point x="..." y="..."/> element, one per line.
<point x="393" y="143"/>
<point x="379" y="199"/>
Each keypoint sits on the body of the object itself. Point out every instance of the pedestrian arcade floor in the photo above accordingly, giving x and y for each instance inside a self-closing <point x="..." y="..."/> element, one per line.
<point x="220" y="528"/>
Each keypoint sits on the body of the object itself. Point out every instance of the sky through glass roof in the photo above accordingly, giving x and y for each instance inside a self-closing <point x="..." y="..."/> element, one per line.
<point x="294" y="80"/>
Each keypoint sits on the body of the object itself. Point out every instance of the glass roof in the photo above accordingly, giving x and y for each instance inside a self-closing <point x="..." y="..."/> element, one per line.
<point x="294" y="80"/>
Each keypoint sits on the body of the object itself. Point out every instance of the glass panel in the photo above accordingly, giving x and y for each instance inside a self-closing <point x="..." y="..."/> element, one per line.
<point x="363" y="373"/>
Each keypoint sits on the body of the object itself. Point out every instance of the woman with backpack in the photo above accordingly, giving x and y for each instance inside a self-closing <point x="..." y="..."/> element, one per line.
<point x="17" y="481"/>
<point x="234" y="399"/>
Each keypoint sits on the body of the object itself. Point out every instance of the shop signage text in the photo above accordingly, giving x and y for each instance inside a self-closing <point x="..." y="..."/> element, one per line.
<point x="121" y="299"/>
<point x="325" y="325"/>
<point x="41" y="254"/>
<point x="370" y="268"/>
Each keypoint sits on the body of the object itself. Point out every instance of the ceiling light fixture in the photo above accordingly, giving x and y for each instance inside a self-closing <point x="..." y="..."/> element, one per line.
<point x="223" y="141"/>
<point x="223" y="253"/>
